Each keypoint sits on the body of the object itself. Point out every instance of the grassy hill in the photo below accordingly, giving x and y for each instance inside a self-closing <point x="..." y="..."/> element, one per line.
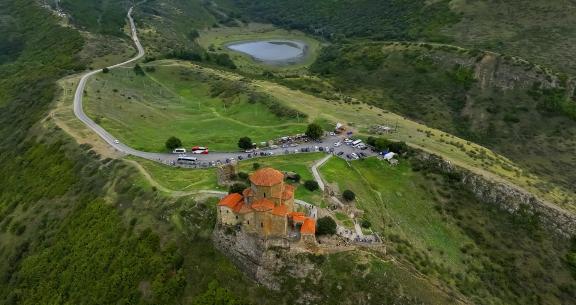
<point x="81" y="229"/>
<point x="520" y="110"/>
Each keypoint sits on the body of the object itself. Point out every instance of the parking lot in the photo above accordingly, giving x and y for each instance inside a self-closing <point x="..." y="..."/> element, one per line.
<point x="326" y="145"/>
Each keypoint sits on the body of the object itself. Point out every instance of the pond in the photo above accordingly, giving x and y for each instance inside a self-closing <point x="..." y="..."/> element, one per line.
<point x="272" y="52"/>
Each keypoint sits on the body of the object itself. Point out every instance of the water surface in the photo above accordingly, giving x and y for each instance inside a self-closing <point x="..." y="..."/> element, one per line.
<point x="274" y="52"/>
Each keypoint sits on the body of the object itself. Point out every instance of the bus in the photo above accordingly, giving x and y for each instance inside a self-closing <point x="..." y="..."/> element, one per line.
<point x="185" y="160"/>
<point x="179" y="151"/>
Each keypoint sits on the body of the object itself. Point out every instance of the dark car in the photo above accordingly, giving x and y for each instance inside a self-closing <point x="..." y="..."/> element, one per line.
<point x="364" y="148"/>
<point x="240" y="158"/>
<point x="340" y="153"/>
<point x="321" y="148"/>
<point x="363" y="155"/>
<point x="348" y="156"/>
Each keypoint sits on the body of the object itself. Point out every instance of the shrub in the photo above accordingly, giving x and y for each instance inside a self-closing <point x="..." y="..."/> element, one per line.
<point x="237" y="188"/>
<point x="243" y="175"/>
<point x="256" y="166"/>
<point x="326" y="226"/>
<point x="311" y="185"/>
<point x="365" y="223"/>
<point x="314" y="131"/>
<point x="348" y="195"/>
<point x="138" y="70"/>
<point x="245" y="143"/>
<point x="105" y="70"/>
<point x="173" y="143"/>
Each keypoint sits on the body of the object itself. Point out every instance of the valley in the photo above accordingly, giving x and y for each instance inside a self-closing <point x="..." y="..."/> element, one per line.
<point x="475" y="205"/>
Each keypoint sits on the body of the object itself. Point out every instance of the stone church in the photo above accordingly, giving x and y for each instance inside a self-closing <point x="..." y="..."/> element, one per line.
<point x="266" y="209"/>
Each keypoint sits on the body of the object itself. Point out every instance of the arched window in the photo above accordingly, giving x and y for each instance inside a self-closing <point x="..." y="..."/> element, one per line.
<point x="264" y="195"/>
<point x="236" y="217"/>
<point x="248" y="221"/>
<point x="261" y="225"/>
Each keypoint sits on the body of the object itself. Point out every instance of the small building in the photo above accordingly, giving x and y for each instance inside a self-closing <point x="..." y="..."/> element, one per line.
<point x="266" y="209"/>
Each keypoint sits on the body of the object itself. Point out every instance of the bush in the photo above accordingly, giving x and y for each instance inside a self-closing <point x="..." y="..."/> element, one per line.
<point x="256" y="166"/>
<point x="243" y="175"/>
<point x="245" y="143"/>
<point x="348" y="195"/>
<point x="105" y="70"/>
<point x="138" y="70"/>
<point x="173" y="143"/>
<point x="311" y="185"/>
<point x="365" y="223"/>
<point x="237" y="188"/>
<point x="314" y="131"/>
<point x="326" y="226"/>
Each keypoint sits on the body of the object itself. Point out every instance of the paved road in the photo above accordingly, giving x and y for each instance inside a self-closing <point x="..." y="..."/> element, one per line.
<point x="170" y="159"/>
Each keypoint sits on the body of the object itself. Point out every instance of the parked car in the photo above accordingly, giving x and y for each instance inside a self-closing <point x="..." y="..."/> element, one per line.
<point x="240" y="158"/>
<point x="354" y="156"/>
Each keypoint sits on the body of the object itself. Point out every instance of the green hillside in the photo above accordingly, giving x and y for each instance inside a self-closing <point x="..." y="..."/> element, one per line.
<point x="77" y="227"/>
<point x="514" y="107"/>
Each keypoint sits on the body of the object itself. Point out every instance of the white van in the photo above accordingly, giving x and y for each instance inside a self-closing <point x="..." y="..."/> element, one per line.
<point x="179" y="151"/>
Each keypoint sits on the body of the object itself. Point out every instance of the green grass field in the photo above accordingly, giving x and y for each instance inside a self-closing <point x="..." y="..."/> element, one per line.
<point x="395" y="202"/>
<point x="143" y="111"/>
<point x="192" y="180"/>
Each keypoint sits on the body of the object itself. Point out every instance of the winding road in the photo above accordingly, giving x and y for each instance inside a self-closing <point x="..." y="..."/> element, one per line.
<point x="167" y="158"/>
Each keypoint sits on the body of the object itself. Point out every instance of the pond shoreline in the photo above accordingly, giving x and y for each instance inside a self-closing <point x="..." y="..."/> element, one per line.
<point x="288" y="61"/>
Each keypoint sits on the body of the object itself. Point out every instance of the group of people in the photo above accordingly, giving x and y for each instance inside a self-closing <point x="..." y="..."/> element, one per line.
<point x="353" y="236"/>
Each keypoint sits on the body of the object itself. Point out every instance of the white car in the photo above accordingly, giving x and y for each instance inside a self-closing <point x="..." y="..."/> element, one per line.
<point x="116" y="142"/>
<point x="337" y="144"/>
<point x="354" y="156"/>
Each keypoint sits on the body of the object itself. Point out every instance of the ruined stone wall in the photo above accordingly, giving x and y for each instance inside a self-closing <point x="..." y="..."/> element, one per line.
<point x="507" y="197"/>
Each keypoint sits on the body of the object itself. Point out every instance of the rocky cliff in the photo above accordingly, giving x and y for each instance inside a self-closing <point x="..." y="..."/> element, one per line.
<point x="268" y="262"/>
<point x="508" y="197"/>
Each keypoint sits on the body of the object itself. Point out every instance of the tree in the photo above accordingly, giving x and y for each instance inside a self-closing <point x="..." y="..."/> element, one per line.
<point x="237" y="188"/>
<point x="348" y="195"/>
<point x="326" y="226"/>
<point x="314" y="131"/>
<point x="256" y="166"/>
<point x="105" y="70"/>
<point x="245" y="143"/>
<point x="173" y="143"/>
<point x="311" y="185"/>
<point x="193" y="34"/>
<point x="138" y="70"/>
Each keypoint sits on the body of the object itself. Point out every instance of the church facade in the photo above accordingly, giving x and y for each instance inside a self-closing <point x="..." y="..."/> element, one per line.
<point x="266" y="209"/>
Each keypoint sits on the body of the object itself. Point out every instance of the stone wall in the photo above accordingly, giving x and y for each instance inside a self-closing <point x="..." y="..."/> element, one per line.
<point x="507" y="197"/>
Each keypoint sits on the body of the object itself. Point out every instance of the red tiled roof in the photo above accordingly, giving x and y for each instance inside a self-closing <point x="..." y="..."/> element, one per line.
<point x="247" y="192"/>
<point x="288" y="192"/>
<point x="266" y="177"/>
<point x="280" y="210"/>
<point x="231" y="200"/>
<point x="308" y="227"/>
<point x="297" y="216"/>
<point x="263" y="205"/>
<point x="242" y="208"/>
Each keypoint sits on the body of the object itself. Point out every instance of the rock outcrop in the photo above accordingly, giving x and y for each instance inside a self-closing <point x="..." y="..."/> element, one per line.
<point x="267" y="262"/>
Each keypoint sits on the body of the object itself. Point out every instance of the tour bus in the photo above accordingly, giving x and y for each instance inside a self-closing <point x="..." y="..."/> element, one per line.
<point x="179" y="151"/>
<point x="356" y="142"/>
<point x="187" y="160"/>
